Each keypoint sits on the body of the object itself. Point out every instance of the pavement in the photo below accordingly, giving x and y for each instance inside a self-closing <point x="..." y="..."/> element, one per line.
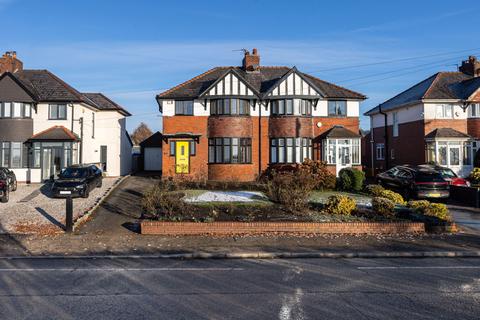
<point x="239" y="289"/>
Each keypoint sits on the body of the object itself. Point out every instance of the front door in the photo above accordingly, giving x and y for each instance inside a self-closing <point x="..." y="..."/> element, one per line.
<point x="182" y="157"/>
<point x="52" y="163"/>
<point x="344" y="157"/>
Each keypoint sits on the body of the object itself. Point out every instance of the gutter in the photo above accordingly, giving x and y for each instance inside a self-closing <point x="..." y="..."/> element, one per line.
<point x="385" y="130"/>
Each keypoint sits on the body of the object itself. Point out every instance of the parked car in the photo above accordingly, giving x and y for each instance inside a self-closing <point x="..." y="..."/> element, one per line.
<point x="449" y="175"/>
<point x="11" y="178"/>
<point x="77" y="181"/>
<point x="418" y="182"/>
<point x="4" y="188"/>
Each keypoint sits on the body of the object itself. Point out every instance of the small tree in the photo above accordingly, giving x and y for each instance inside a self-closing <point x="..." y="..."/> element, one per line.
<point x="141" y="133"/>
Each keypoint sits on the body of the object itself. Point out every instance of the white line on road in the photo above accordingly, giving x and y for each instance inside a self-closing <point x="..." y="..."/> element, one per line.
<point x="116" y="269"/>
<point x="423" y="267"/>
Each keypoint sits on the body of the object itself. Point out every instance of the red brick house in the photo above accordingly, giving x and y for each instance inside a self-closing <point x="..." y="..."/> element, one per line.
<point x="435" y="121"/>
<point x="231" y="123"/>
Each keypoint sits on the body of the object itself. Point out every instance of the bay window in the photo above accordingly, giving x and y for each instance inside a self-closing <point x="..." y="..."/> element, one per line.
<point x="450" y="153"/>
<point x="15" y="110"/>
<point x="474" y="110"/>
<point x="341" y="151"/>
<point x="299" y="107"/>
<point x="11" y="154"/>
<point x="290" y="150"/>
<point x="230" y="150"/>
<point x="232" y="107"/>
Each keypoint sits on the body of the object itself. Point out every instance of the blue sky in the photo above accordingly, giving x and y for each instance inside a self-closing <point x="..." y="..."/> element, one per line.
<point x="132" y="50"/>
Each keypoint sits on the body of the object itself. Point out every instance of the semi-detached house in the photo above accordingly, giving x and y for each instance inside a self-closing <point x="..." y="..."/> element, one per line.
<point x="46" y="125"/>
<point x="435" y="121"/>
<point x="231" y="123"/>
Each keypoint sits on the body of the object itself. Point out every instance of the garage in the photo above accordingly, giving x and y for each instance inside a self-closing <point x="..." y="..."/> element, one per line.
<point x="152" y="152"/>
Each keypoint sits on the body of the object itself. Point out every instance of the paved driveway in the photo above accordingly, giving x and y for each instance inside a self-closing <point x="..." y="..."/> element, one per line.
<point x="117" y="214"/>
<point x="468" y="218"/>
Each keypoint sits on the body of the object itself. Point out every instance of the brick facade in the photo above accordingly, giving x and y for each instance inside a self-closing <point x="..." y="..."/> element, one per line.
<point x="290" y="126"/>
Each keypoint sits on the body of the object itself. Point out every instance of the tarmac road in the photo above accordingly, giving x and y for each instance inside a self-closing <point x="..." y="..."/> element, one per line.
<point x="239" y="289"/>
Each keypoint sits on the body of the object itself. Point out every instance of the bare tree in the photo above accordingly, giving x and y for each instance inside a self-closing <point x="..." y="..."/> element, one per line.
<point x="141" y="133"/>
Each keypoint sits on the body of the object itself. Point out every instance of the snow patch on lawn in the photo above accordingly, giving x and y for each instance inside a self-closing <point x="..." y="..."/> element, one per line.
<point x="228" y="196"/>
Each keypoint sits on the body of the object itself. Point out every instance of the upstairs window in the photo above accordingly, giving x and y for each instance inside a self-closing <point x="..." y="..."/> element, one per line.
<point x="15" y="110"/>
<point x="184" y="107"/>
<point x="444" y="111"/>
<point x="57" y="112"/>
<point x="337" y="108"/>
<point x="291" y="107"/>
<point x="474" y="110"/>
<point x="234" y="107"/>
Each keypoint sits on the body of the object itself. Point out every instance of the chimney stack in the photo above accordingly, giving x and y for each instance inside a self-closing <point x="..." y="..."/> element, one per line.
<point x="470" y="67"/>
<point x="251" y="62"/>
<point x="10" y="63"/>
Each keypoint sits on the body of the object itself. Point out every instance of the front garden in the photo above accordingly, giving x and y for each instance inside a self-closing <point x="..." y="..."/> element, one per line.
<point x="296" y="193"/>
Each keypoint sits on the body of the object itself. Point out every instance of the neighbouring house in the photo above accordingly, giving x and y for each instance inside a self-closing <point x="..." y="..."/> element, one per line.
<point x="231" y="123"/>
<point x="435" y="121"/>
<point x="46" y="125"/>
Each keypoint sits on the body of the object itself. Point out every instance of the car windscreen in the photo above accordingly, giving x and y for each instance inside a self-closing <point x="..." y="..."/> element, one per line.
<point x="74" y="173"/>
<point x="428" y="176"/>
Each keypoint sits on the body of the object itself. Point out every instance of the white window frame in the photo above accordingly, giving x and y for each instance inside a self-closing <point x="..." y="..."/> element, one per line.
<point x="395" y="123"/>
<point x="331" y="150"/>
<point x="474" y="110"/>
<point x="441" y="111"/>
<point x="380" y="151"/>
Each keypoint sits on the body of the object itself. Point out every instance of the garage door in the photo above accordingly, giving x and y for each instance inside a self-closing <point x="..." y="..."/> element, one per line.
<point x="153" y="159"/>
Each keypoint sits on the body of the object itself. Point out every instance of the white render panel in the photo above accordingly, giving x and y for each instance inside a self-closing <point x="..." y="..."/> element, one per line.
<point x="321" y="110"/>
<point x="234" y="85"/>
<point x="199" y="108"/>
<point x="290" y="82"/>
<point x="168" y="108"/>
<point x="220" y="87"/>
<point x="293" y="85"/>
<point x="353" y="109"/>
<point x="230" y="84"/>
<point x="377" y="120"/>
<point x="405" y="115"/>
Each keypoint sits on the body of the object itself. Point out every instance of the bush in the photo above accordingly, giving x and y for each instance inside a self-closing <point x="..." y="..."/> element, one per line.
<point x="474" y="176"/>
<point x="374" y="190"/>
<point x="324" y="179"/>
<point x="339" y="205"/>
<point x="350" y="179"/>
<point x="383" y="206"/>
<point x="437" y="210"/>
<point x="291" y="189"/>
<point x="158" y="203"/>
<point x="396" y="198"/>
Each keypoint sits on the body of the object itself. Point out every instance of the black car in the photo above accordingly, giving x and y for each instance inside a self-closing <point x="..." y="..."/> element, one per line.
<point x="11" y="178"/>
<point x="77" y="181"/>
<point x="4" y="188"/>
<point x="415" y="182"/>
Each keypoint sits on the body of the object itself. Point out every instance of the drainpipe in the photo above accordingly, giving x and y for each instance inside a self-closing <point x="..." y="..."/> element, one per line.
<point x="372" y="150"/>
<point x="385" y="129"/>
<point x="259" y="136"/>
<point x="81" y="140"/>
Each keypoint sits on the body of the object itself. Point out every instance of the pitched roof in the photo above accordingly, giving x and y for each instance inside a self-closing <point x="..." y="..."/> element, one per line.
<point x="338" y="132"/>
<point x="55" y="133"/>
<point x="103" y="103"/>
<point x="261" y="81"/>
<point x="440" y="86"/>
<point x="44" y="86"/>
<point x="446" y="133"/>
<point x="155" y="140"/>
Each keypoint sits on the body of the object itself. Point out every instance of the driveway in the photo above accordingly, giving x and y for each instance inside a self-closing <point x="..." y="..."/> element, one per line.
<point x="32" y="210"/>
<point x="121" y="209"/>
<point x="468" y="218"/>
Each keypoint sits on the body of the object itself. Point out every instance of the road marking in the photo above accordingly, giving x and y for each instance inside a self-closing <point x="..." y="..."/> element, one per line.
<point x="117" y="269"/>
<point x="423" y="267"/>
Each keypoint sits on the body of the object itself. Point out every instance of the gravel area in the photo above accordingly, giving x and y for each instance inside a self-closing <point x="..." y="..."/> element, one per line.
<point x="228" y="196"/>
<point x="31" y="210"/>
<point x="361" y="200"/>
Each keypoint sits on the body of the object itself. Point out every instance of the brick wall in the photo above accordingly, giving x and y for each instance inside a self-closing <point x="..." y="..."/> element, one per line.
<point x="230" y="228"/>
<point x="232" y="172"/>
<point x="457" y="124"/>
<point x="473" y="127"/>
<point x="227" y="126"/>
<point x="289" y="126"/>
<point x="327" y="123"/>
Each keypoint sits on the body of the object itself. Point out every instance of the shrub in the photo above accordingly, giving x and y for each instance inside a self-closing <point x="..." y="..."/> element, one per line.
<point x="324" y="179"/>
<point x="161" y="204"/>
<point x="291" y="189"/>
<point x="350" y="179"/>
<point x="339" y="205"/>
<point x="383" y="206"/>
<point x="437" y="210"/>
<point x="396" y="198"/>
<point x="474" y="176"/>
<point x="374" y="190"/>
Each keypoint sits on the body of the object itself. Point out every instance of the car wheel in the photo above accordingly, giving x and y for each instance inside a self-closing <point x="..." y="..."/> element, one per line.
<point x="86" y="193"/>
<point x="14" y="188"/>
<point x="5" y="197"/>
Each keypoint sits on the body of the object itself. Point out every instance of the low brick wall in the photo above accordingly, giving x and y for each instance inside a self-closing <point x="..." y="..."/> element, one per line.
<point x="228" y="228"/>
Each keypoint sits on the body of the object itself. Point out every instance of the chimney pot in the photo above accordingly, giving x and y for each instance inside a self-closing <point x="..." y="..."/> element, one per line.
<point x="251" y="62"/>
<point x="470" y="66"/>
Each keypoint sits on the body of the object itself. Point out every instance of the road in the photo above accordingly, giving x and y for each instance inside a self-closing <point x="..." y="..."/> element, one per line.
<point x="466" y="217"/>
<point x="240" y="289"/>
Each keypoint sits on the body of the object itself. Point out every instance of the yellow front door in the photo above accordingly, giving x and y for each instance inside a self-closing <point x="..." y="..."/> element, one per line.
<point x="182" y="157"/>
